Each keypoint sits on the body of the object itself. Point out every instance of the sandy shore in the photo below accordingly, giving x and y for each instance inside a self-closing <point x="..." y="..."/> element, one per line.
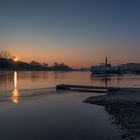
<point x="124" y="107"/>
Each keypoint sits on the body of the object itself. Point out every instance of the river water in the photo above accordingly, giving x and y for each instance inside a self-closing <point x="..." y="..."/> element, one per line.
<point x="31" y="108"/>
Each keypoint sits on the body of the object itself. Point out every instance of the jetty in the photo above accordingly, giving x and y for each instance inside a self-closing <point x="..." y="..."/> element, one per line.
<point x="85" y="88"/>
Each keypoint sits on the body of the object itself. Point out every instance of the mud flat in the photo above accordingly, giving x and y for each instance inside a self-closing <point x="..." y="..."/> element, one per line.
<point x="124" y="107"/>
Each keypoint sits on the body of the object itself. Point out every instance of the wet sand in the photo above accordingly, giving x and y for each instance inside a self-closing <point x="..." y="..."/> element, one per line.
<point x="124" y="107"/>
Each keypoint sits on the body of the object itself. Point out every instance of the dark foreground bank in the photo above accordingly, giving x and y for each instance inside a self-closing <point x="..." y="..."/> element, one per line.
<point x="124" y="106"/>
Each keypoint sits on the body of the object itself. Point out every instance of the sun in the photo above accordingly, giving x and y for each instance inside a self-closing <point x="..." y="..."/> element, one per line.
<point x="15" y="59"/>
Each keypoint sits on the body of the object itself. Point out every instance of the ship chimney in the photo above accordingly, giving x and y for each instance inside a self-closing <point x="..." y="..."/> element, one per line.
<point x="106" y="61"/>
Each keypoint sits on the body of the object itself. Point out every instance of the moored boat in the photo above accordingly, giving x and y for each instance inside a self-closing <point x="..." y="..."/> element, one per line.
<point x="105" y="68"/>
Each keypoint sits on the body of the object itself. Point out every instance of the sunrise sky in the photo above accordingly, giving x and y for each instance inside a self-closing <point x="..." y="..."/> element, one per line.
<point x="79" y="33"/>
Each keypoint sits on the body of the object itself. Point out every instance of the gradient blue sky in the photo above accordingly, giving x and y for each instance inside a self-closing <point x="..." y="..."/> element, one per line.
<point x="79" y="33"/>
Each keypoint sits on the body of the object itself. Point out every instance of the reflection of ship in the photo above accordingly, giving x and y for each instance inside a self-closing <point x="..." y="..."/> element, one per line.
<point x="102" y="79"/>
<point x="105" y="68"/>
<point x="106" y="80"/>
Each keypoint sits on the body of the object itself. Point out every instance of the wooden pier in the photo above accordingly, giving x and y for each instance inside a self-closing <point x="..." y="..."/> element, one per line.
<point x="85" y="88"/>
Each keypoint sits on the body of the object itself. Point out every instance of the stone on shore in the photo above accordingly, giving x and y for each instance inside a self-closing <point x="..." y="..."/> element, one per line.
<point x="124" y="107"/>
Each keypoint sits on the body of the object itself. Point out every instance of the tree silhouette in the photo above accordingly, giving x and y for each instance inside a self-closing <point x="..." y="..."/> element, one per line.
<point x="5" y="54"/>
<point x="35" y="63"/>
<point x="9" y="62"/>
<point x="45" y="65"/>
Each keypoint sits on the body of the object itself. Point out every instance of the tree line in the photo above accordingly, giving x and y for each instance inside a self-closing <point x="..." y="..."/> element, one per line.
<point x="7" y="63"/>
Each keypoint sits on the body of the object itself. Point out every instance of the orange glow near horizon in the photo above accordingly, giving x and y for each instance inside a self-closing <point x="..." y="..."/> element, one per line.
<point x="75" y="55"/>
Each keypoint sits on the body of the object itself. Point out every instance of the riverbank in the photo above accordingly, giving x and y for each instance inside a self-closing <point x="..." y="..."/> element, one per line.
<point x="124" y="106"/>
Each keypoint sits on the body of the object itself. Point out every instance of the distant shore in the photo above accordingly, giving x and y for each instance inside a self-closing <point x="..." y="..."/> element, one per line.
<point x="124" y="106"/>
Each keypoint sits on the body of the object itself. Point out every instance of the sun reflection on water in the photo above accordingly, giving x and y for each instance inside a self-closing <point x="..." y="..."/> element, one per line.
<point x="15" y="93"/>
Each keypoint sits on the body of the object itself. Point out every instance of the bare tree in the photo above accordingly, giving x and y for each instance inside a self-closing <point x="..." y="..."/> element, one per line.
<point x="4" y="54"/>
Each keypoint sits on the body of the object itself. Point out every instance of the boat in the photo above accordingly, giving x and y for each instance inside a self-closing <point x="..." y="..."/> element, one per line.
<point x="106" y="68"/>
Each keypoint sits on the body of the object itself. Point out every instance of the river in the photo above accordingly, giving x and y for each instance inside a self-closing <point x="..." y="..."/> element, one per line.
<point x="31" y="108"/>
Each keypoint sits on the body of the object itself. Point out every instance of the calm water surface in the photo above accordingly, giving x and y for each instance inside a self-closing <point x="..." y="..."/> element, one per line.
<point x="32" y="80"/>
<point x="31" y="108"/>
